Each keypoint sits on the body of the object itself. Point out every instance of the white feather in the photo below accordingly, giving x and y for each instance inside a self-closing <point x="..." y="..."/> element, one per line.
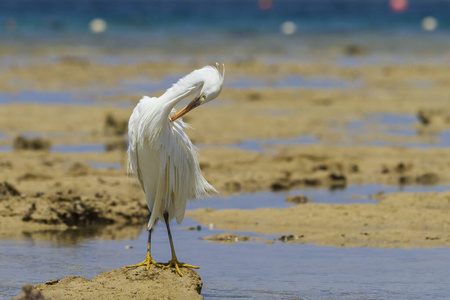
<point x="161" y="155"/>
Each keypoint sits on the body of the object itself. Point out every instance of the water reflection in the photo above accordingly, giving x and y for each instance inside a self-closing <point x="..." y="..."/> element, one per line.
<point x="72" y="236"/>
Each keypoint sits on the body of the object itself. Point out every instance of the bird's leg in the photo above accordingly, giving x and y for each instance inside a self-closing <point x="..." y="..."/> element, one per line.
<point x="148" y="259"/>
<point x="174" y="263"/>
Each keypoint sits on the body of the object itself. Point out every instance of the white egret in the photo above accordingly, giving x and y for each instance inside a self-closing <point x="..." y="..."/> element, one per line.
<point x="163" y="158"/>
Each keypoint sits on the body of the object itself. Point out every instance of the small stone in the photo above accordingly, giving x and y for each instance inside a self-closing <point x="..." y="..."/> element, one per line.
<point x="227" y="238"/>
<point x="298" y="199"/>
<point x="290" y="237"/>
<point x="279" y="186"/>
<point x="233" y="186"/>
<point x="311" y="181"/>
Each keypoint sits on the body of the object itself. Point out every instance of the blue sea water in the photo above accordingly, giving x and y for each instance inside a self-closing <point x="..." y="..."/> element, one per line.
<point x="135" y="23"/>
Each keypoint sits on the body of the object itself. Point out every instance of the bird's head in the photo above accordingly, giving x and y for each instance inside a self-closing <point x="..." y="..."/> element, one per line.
<point x="209" y="81"/>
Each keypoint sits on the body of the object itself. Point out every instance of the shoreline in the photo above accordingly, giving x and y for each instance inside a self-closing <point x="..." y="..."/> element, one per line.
<point x="65" y="192"/>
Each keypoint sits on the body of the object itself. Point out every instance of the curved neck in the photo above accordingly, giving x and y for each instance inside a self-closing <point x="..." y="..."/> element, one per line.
<point x="172" y="96"/>
<point x="189" y="84"/>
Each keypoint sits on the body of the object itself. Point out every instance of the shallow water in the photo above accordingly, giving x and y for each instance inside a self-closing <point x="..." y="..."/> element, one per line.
<point x="388" y="124"/>
<point x="294" y="82"/>
<point x="264" y="144"/>
<point x="79" y="148"/>
<point x="246" y="270"/>
<point x="80" y="97"/>
<point x="41" y="97"/>
<point x="399" y="125"/>
<point x="5" y="148"/>
<point x="105" y="165"/>
<point x="350" y="195"/>
<point x="71" y="148"/>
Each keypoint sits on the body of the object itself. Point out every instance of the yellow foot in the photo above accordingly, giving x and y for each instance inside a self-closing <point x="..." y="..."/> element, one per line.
<point x="147" y="262"/>
<point x="174" y="263"/>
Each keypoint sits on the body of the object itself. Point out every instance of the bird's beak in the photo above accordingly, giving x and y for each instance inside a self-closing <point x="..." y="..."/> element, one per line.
<point x="193" y="104"/>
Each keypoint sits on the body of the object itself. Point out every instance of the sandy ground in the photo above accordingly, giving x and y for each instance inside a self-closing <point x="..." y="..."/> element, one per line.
<point x="43" y="193"/>
<point x="51" y="190"/>
<point x="250" y="113"/>
<point x="398" y="220"/>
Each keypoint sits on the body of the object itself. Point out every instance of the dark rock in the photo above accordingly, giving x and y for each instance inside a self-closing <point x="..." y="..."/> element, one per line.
<point x="116" y="145"/>
<point x="311" y="181"/>
<point x="320" y="168"/>
<point x="233" y="186"/>
<point x="227" y="238"/>
<point x="355" y="50"/>
<point x="290" y="237"/>
<point x="280" y="185"/>
<point x="424" y="117"/>
<point x="255" y="96"/>
<point x="32" y="176"/>
<point x="354" y="168"/>
<point x="337" y="181"/>
<point x="22" y="143"/>
<point x="113" y="126"/>
<point x="30" y="293"/>
<point x="402" y="180"/>
<point x="337" y="177"/>
<point x="78" y="169"/>
<point x="401" y="167"/>
<point x="427" y="178"/>
<point x="7" y="189"/>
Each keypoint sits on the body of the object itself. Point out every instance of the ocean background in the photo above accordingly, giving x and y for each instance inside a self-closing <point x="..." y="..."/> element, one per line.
<point x="227" y="29"/>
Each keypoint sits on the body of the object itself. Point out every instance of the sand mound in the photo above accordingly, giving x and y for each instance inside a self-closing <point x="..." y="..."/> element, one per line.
<point x="126" y="284"/>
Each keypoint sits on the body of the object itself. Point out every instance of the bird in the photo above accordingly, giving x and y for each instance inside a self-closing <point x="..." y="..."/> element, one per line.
<point x="163" y="158"/>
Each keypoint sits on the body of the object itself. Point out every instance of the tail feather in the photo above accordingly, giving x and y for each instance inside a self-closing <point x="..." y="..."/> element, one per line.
<point x="155" y="210"/>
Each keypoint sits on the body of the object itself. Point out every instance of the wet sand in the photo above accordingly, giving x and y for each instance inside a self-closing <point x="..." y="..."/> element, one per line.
<point x="44" y="192"/>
